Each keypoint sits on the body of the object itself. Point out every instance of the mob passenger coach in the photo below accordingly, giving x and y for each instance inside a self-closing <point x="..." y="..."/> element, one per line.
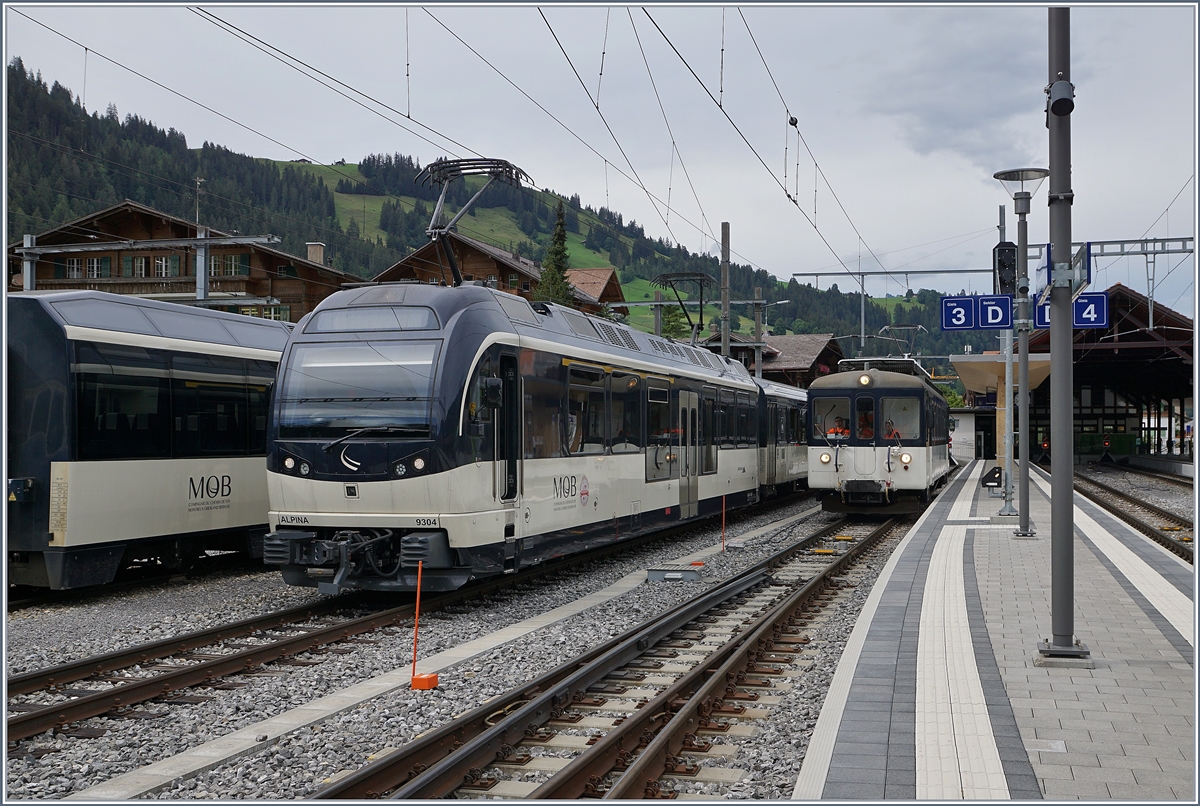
<point x="136" y="434"/>
<point x="472" y="432"/>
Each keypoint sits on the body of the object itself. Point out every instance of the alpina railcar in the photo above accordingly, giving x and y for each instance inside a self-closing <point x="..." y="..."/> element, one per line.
<point x="878" y="437"/>
<point x="136" y="434"/>
<point x="472" y="432"/>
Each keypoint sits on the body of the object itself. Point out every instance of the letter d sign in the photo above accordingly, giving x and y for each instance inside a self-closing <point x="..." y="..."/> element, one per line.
<point x="995" y="314"/>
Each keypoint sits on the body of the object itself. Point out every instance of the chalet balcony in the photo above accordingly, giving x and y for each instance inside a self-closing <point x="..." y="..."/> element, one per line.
<point x="147" y="286"/>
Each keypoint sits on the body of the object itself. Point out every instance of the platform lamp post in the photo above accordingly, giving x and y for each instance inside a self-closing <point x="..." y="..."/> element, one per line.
<point x="1021" y="184"/>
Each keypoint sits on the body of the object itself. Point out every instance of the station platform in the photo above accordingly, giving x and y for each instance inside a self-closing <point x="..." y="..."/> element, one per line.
<point x="942" y="694"/>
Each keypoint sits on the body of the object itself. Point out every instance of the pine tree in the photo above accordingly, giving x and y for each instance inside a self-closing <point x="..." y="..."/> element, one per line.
<point x="674" y="323"/>
<point x="553" y="285"/>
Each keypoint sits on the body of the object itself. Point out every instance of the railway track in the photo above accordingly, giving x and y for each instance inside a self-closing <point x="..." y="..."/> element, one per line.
<point x="622" y="719"/>
<point x="1175" y="532"/>
<point x="1181" y="481"/>
<point x="61" y="697"/>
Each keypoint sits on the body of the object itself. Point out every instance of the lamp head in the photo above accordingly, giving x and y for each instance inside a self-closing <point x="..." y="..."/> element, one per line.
<point x="1022" y="180"/>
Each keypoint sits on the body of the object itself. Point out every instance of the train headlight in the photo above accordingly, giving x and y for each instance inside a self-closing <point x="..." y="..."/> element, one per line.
<point x="418" y="464"/>
<point x="289" y="463"/>
<point x="826" y="458"/>
<point x="864" y="380"/>
<point x="305" y="469"/>
<point x="399" y="469"/>
<point x="906" y="458"/>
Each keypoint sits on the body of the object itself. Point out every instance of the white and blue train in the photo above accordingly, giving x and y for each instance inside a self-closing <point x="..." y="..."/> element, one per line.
<point x="467" y="430"/>
<point x="879" y="434"/>
<point x="136" y="434"/>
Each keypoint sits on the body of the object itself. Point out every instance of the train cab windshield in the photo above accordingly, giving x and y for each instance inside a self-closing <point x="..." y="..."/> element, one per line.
<point x="331" y="389"/>
<point x="831" y="418"/>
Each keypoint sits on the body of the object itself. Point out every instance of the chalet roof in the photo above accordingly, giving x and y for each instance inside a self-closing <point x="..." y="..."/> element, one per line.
<point x="1129" y="316"/>
<point x="84" y="228"/>
<point x="797" y="352"/>
<point x="599" y="284"/>
<point x="736" y="340"/>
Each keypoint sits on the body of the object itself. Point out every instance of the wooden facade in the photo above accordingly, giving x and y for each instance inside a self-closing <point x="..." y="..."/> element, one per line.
<point x="253" y="279"/>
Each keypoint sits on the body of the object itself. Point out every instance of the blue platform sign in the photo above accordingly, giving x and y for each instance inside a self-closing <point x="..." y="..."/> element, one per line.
<point x="995" y="312"/>
<point x="1087" y="311"/>
<point x="1090" y="310"/>
<point x="958" y="313"/>
<point x="1041" y="316"/>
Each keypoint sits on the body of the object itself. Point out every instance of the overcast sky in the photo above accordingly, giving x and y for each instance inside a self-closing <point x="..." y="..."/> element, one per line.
<point x="907" y="110"/>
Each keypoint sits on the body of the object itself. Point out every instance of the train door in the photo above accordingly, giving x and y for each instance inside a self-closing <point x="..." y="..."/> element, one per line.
<point x="508" y="451"/>
<point x="772" y="450"/>
<point x="689" y="468"/>
<point x="864" y="433"/>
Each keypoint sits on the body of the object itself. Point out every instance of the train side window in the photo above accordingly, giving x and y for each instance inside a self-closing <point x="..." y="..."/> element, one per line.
<point x="123" y="402"/>
<point x="864" y="417"/>
<point x="727" y="418"/>
<point x="830" y="418"/>
<point x="661" y="445"/>
<point x="901" y="418"/>
<point x="209" y="405"/>
<point x="744" y="421"/>
<point x="261" y="383"/>
<point x="708" y="432"/>
<point x="626" y="413"/>
<point x="544" y="379"/>
<point x="585" y="412"/>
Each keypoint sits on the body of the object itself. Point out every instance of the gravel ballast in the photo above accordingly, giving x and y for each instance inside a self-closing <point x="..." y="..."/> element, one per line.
<point x="298" y="763"/>
<point x="1173" y="498"/>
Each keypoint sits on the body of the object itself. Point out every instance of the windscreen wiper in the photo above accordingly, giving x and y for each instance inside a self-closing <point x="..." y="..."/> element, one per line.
<point x="369" y="428"/>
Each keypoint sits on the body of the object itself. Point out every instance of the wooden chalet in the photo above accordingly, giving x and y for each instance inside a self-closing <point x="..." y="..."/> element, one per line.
<point x="130" y="248"/>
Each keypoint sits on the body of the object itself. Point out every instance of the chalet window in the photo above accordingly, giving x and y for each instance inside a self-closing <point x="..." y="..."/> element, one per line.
<point x="512" y="281"/>
<point x="277" y="313"/>
<point x="74" y="268"/>
<point x="139" y="266"/>
<point x="231" y="265"/>
<point x="162" y="266"/>
<point x="93" y="268"/>
<point x="492" y="279"/>
<point x="214" y="265"/>
<point x="433" y="281"/>
<point x="249" y="311"/>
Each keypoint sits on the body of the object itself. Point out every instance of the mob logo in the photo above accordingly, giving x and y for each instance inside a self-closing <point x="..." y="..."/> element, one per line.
<point x="209" y="487"/>
<point x="566" y="487"/>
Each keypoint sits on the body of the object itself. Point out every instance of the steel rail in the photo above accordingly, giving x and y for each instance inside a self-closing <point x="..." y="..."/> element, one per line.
<point x="128" y="694"/>
<point x="436" y="764"/>
<point x="708" y="684"/>
<point x="40" y="679"/>
<point x="1180" y="548"/>
<point x="1182" y="481"/>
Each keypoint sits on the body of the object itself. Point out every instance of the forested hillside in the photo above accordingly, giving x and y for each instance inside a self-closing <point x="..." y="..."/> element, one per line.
<point x="64" y="163"/>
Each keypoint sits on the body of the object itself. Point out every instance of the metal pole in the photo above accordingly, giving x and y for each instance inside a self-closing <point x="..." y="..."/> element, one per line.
<point x="758" y="336"/>
<point x="724" y="289"/>
<point x="862" y="313"/>
<point x="201" y="264"/>
<point x="1021" y="204"/>
<point x="1008" y="509"/>
<point x="29" y="265"/>
<point x="658" y="314"/>
<point x="1062" y="492"/>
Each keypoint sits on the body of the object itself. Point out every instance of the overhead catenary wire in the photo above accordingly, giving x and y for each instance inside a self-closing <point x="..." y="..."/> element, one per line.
<point x="604" y="120"/>
<point x="654" y="85"/>
<point x="810" y="154"/>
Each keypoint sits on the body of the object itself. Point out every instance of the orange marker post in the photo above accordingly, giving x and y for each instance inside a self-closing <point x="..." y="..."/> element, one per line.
<point x="422" y="682"/>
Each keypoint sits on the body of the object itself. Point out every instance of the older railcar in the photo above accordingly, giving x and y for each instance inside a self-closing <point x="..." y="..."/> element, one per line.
<point x="878" y="438"/>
